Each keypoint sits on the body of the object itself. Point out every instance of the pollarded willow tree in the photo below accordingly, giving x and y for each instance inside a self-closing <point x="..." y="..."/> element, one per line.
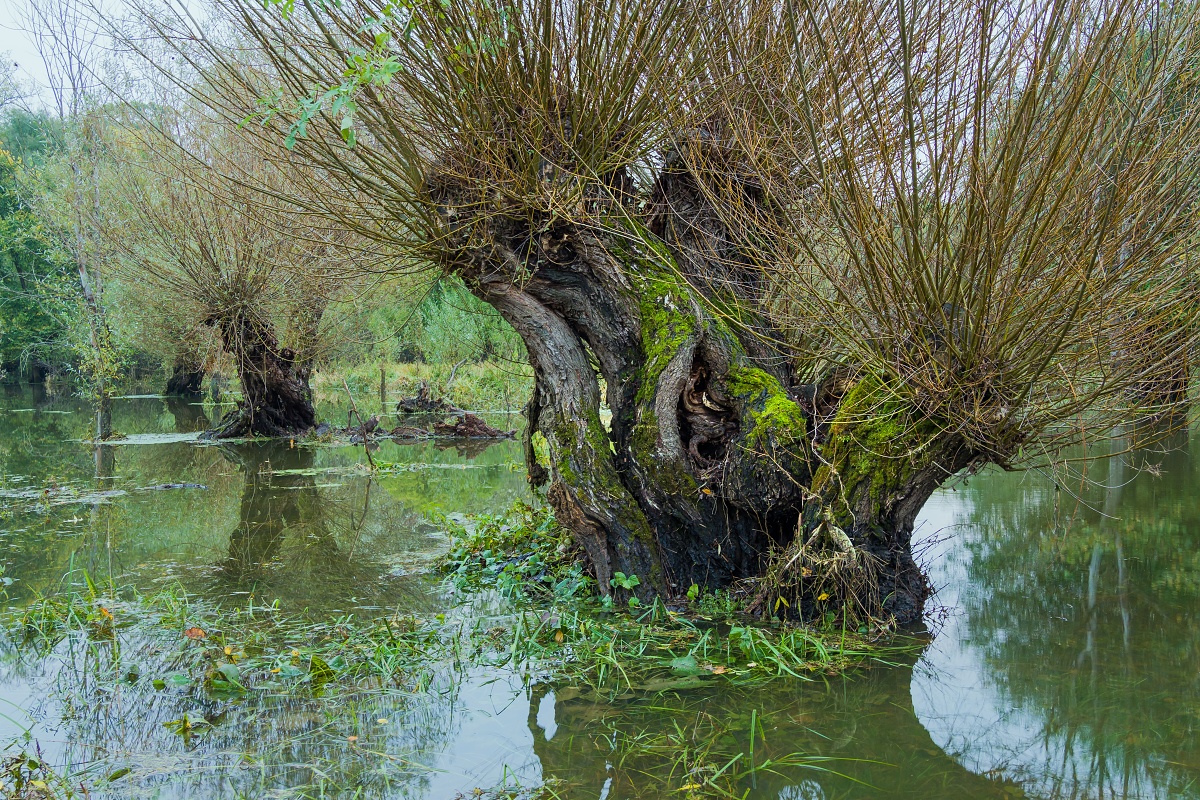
<point x="195" y="232"/>
<point x="824" y="257"/>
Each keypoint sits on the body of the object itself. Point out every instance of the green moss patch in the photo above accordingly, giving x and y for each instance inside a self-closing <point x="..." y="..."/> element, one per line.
<point x="773" y="415"/>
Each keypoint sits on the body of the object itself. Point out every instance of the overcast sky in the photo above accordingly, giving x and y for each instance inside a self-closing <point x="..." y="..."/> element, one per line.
<point x="16" y="43"/>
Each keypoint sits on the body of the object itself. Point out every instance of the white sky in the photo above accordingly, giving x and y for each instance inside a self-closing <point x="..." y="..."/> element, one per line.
<point x="16" y="43"/>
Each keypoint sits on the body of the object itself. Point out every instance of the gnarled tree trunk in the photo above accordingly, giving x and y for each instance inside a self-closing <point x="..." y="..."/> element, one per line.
<point x="714" y="465"/>
<point x="276" y="399"/>
<point x="187" y="379"/>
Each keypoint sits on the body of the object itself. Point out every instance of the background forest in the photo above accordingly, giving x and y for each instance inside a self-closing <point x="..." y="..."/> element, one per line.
<point x="412" y="330"/>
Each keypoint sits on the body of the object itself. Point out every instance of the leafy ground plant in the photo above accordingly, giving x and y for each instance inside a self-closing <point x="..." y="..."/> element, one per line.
<point x="556" y="625"/>
<point x="223" y="652"/>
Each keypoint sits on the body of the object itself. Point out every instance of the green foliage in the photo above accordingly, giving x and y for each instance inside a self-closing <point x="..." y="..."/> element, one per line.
<point x="524" y="554"/>
<point x="442" y="323"/>
<point x="37" y="306"/>
<point x="43" y="316"/>
<point x="623" y="581"/>
<point x="456" y="325"/>
<point x="29" y="137"/>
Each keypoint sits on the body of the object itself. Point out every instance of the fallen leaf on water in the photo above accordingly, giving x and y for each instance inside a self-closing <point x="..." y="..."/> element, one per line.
<point x="382" y="721"/>
<point x="195" y="633"/>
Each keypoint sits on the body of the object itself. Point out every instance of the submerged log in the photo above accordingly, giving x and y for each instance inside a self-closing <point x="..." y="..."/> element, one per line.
<point x="470" y="426"/>
<point x="423" y="402"/>
<point x="410" y="432"/>
<point x="464" y="426"/>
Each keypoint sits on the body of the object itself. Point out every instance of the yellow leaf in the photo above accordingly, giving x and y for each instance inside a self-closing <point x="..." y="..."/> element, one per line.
<point x="104" y="612"/>
<point x="558" y="637"/>
<point x="228" y="650"/>
<point x="823" y="596"/>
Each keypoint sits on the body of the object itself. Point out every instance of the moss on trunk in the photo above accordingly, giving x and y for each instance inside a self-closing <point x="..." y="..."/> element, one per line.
<point x="713" y="464"/>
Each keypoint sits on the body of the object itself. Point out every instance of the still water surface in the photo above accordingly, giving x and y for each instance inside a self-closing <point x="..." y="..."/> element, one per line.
<point x="1066" y="662"/>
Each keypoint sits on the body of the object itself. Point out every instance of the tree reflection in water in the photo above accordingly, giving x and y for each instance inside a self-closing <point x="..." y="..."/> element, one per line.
<point x="1083" y="614"/>
<point x="860" y="734"/>
<point x="311" y="546"/>
<point x="189" y="415"/>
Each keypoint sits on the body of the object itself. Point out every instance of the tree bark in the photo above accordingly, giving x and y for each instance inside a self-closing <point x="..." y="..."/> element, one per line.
<point x="715" y="462"/>
<point x="276" y="398"/>
<point x="187" y="380"/>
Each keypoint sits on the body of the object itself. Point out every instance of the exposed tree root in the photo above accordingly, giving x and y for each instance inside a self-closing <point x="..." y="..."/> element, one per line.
<point x="818" y="573"/>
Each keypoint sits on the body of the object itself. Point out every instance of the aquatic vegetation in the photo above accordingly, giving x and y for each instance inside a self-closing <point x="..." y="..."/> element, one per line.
<point x="208" y="676"/>
<point x="223" y="652"/>
<point x="559" y="628"/>
<point x="26" y="776"/>
<point x="702" y="755"/>
<point x="524" y="554"/>
<point x="238" y="685"/>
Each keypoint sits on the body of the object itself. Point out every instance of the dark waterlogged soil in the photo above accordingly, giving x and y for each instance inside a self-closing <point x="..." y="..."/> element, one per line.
<point x="1066" y="662"/>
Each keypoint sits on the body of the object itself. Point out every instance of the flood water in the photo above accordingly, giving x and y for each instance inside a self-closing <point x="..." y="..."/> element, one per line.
<point x="1066" y="662"/>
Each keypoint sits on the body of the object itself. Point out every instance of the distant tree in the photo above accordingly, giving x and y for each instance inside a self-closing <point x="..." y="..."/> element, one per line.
<point x="212" y="252"/>
<point x="68" y="41"/>
<point x="824" y="258"/>
<point x="13" y="91"/>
